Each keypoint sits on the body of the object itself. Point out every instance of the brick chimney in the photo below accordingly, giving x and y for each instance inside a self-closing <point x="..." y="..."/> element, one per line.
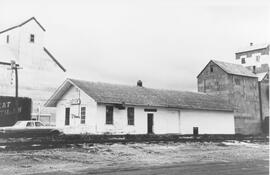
<point x="139" y="83"/>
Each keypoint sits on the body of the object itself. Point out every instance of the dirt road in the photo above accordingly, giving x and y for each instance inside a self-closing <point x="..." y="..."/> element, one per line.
<point x="163" y="158"/>
<point x="258" y="167"/>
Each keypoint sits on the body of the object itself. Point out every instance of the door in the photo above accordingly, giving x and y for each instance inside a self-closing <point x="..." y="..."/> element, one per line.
<point x="150" y="123"/>
<point x="195" y="131"/>
<point x="75" y="119"/>
<point x="67" y="118"/>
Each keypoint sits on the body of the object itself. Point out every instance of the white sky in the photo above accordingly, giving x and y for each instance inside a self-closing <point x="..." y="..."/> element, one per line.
<point x="165" y="43"/>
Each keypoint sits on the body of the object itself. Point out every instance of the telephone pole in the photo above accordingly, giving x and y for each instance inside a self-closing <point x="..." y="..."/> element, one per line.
<point x="15" y="67"/>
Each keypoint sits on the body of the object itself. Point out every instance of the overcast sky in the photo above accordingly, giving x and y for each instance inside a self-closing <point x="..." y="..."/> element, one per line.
<point x="164" y="43"/>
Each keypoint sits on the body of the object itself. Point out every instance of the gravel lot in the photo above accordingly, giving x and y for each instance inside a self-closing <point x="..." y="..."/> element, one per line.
<point x="120" y="156"/>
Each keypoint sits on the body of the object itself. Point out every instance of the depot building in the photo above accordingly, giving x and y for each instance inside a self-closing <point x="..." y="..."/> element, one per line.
<point x="103" y="108"/>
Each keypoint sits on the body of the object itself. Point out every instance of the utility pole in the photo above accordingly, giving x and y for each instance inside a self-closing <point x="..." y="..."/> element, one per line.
<point x="15" y="67"/>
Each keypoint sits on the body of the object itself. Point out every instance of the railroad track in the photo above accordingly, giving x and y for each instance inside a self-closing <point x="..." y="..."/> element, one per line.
<point x="67" y="141"/>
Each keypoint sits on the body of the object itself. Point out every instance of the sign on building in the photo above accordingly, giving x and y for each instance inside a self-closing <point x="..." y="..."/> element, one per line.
<point x="12" y="110"/>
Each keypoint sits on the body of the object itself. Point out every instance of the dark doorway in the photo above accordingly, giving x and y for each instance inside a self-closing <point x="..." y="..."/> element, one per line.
<point x="150" y="123"/>
<point x="195" y="131"/>
<point x="67" y="116"/>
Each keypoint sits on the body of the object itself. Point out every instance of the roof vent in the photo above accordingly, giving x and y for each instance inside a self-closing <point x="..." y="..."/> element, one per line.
<point x="251" y="44"/>
<point x="139" y="83"/>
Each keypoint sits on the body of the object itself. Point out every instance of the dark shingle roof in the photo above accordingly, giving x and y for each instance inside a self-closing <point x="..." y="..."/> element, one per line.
<point x="235" y="69"/>
<point x="140" y="96"/>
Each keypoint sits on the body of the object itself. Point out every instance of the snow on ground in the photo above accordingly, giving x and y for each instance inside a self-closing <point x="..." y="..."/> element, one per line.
<point x="95" y="156"/>
<point x="239" y="143"/>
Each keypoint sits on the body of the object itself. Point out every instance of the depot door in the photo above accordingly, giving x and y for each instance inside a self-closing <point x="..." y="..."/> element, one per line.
<point x="75" y="116"/>
<point x="150" y="123"/>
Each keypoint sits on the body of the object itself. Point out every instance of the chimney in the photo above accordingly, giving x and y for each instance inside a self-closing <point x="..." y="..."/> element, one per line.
<point x="139" y="83"/>
<point x="251" y="44"/>
<point x="254" y="69"/>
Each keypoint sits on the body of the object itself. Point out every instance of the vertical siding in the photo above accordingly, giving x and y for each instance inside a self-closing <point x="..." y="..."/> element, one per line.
<point x="265" y="98"/>
<point x="244" y="96"/>
<point x="216" y="82"/>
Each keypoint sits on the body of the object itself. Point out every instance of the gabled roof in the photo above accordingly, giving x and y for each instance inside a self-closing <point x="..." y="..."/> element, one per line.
<point x="23" y="23"/>
<point x="252" y="48"/>
<point x="105" y="93"/>
<point x="262" y="75"/>
<point x="230" y="68"/>
<point x="235" y="69"/>
<point x="54" y="59"/>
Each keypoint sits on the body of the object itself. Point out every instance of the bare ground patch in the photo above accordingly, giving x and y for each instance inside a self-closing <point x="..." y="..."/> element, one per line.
<point x="96" y="156"/>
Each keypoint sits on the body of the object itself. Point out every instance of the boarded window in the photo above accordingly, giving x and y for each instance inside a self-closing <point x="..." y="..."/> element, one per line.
<point x="7" y="38"/>
<point x="243" y="60"/>
<point x="130" y="116"/>
<point x="109" y="115"/>
<point x="32" y="38"/>
<point x="83" y="111"/>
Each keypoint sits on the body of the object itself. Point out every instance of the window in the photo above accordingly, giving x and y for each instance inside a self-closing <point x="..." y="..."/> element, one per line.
<point x="30" y="124"/>
<point x="38" y="124"/>
<point x="109" y="115"/>
<point x="83" y="115"/>
<point x="7" y="38"/>
<point x="32" y="38"/>
<point x="67" y="116"/>
<point x="243" y="60"/>
<point x="258" y="58"/>
<point x="211" y="68"/>
<point x="237" y="81"/>
<point x="130" y="116"/>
